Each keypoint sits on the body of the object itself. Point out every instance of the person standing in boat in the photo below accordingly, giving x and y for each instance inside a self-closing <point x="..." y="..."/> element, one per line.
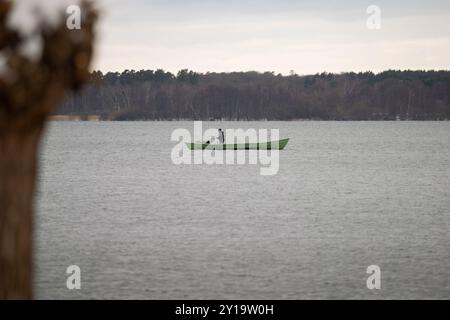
<point x="221" y="136"/>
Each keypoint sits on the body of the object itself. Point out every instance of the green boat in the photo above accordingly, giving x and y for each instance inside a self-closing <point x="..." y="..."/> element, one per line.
<point x="276" y="145"/>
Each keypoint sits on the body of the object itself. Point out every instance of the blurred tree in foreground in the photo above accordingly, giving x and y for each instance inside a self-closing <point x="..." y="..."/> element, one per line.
<point x="29" y="91"/>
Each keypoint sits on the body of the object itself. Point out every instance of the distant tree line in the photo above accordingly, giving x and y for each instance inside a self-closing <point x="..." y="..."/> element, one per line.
<point x="161" y="95"/>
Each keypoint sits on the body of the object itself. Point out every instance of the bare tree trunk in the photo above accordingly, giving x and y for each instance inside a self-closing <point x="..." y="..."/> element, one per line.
<point x="17" y="183"/>
<point x="26" y="99"/>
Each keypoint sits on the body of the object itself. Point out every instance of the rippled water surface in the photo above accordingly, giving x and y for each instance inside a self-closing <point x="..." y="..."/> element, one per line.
<point x="347" y="195"/>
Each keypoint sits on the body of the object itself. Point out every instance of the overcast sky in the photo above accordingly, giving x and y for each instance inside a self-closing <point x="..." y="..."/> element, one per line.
<point x="272" y="35"/>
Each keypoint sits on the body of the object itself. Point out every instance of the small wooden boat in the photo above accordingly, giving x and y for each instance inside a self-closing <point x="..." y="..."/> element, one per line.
<point x="275" y="145"/>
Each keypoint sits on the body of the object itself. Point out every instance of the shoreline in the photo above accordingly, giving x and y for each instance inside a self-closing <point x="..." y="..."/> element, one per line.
<point x="98" y="118"/>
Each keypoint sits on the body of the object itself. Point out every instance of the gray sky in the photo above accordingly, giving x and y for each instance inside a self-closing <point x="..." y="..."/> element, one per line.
<point x="267" y="35"/>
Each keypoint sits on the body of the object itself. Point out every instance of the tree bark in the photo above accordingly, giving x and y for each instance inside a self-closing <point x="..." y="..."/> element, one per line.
<point x="29" y="91"/>
<point x="18" y="164"/>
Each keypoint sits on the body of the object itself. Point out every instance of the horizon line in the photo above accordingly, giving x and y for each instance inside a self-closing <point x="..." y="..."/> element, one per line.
<point x="294" y="73"/>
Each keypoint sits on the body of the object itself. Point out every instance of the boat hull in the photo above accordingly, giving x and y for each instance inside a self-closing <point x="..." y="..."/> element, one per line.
<point x="270" y="145"/>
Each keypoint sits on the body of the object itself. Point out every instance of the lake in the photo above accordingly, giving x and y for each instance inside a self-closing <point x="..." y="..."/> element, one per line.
<point x="347" y="195"/>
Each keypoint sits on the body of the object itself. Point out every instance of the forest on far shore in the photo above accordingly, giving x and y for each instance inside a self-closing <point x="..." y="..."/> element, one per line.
<point x="161" y="95"/>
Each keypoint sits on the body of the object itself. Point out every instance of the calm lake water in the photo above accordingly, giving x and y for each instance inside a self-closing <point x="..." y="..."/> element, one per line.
<point x="347" y="195"/>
